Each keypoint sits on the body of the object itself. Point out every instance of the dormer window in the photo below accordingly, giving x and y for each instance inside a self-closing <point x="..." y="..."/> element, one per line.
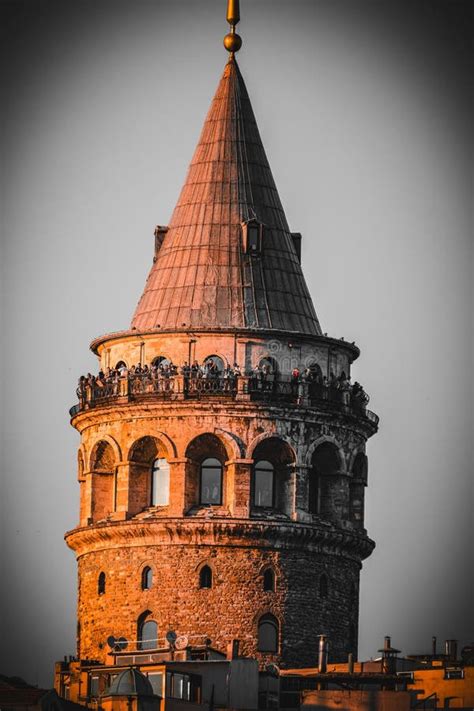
<point x="252" y="236"/>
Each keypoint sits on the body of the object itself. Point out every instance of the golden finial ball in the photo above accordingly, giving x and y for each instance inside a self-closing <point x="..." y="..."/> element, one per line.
<point x="232" y="42"/>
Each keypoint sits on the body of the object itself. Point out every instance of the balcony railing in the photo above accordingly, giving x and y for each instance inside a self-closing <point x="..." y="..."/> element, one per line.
<point x="241" y="387"/>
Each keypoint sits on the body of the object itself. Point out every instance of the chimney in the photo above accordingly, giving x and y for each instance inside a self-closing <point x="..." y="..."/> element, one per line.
<point x="323" y="654"/>
<point x="350" y="663"/>
<point x="233" y="649"/>
<point x="451" y="649"/>
<point x="387" y="643"/>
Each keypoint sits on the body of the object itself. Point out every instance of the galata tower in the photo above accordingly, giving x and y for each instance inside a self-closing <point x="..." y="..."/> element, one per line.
<point x="222" y="460"/>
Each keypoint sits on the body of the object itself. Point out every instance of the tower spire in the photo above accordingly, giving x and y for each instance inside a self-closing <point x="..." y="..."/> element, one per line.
<point x="233" y="41"/>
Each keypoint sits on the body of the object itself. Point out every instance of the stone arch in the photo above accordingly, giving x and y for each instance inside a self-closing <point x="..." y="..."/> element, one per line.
<point x="115" y="447"/>
<point x="230" y="440"/>
<point x="267" y="435"/>
<point x="327" y="484"/>
<point x="320" y="440"/>
<point x="202" y="448"/>
<point x="103" y="466"/>
<point x="271" y="485"/>
<point x="218" y="358"/>
<point x="142" y="454"/>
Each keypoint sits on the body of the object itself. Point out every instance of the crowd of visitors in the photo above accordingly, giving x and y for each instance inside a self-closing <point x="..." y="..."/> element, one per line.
<point x="211" y="376"/>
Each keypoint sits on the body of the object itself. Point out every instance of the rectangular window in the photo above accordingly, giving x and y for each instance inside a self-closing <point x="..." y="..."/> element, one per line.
<point x="156" y="680"/>
<point x="263" y="488"/>
<point x="94" y="686"/>
<point x="211" y="485"/>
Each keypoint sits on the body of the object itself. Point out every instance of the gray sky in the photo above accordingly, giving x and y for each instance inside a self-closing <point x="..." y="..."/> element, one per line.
<point x="364" y="113"/>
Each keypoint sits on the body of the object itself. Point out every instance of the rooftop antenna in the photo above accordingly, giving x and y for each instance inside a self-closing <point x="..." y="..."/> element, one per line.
<point x="233" y="41"/>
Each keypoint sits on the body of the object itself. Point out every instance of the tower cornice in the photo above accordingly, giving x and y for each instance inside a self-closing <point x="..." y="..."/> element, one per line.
<point x="243" y="533"/>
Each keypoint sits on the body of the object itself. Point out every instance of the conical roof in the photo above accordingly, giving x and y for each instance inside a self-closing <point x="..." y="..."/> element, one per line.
<point x="202" y="278"/>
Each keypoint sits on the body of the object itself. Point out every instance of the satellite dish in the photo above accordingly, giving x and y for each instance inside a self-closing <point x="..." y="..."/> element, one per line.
<point x="272" y="669"/>
<point x="171" y="637"/>
<point x="181" y="642"/>
<point x="117" y="645"/>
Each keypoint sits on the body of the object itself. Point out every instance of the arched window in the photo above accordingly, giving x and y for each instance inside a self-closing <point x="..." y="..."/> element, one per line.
<point x="211" y="482"/>
<point x="147" y="632"/>
<point x="269" y="580"/>
<point x="161" y="360"/>
<point x="215" y="364"/>
<point x="264" y="473"/>
<point x="160" y="483"/>
<point x="121" y="364"/>
<point x="323" y="586"/>
<point x="101" y="584"/>
<point x="267" y="634"/>
<point x="205" y="577"/>
<point x="325" y="465"/>
<point x="147" y="578"/>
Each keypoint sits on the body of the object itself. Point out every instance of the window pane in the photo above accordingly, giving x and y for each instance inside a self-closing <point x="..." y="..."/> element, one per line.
<point x="211" y="481"/>
<point x="263" y="494"/>
<point x="160" y="487"/>
<point x="149" y="634"/>
<point x="156" y="681"/>
<point x="267" y="637"/>
<point x="94" y="685"/>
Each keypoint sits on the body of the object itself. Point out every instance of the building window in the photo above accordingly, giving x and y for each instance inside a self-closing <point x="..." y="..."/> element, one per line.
<point x="268" y="634"/>
<point x="252" y="234"/>
<point x="161" y="360"/>
<point x="160" y="483"/>
<point x="101" y="584"/>
<point x="156" y="681"/>
<point x="147" y="632"/>
<point x="147" y="578"/>
<point x="323" y="586"/>
<point x="269" y="580"/>
<point x="211" y="482"/>
<point x="264" y="474"/>
<point x="183" y="686"/>
<point x="205" y="577"/>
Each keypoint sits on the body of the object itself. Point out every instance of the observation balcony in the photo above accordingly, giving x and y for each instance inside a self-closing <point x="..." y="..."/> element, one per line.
<point x="273" y="390"/>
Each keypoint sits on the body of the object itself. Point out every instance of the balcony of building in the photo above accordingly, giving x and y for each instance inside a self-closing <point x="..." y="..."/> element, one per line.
<point x="293" y="390"/>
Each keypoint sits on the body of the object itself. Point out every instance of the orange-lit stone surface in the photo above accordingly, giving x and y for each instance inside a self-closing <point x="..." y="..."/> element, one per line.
<point x="206" y="296"/>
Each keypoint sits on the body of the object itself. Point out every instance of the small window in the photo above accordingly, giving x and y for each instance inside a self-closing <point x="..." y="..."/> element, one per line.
<point x="205" y="577"/>
<point x="211" y="482"/>
<point x="148" y="634"/>
<point x="156" y="681"/>
<point x="94" y="686"/>
<point x="269" y="580"/>
<point x="268" y="634"/>
<point x="323" y="586"/>
<point x="252" y="233"/>
<point x="263" y="484"/>
<point x="101" y="584"/>
<point x="147" y="578"/>
<point x="160" y="483"/>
